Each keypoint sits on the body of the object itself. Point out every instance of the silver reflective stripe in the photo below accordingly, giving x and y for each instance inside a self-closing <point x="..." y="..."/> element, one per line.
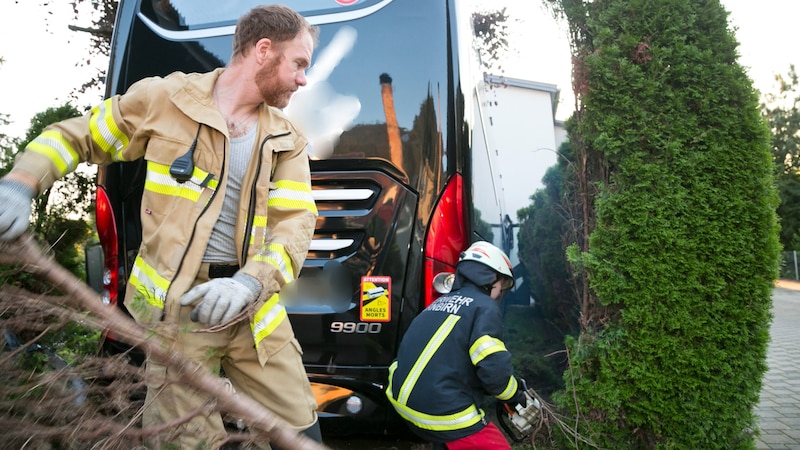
<point x="483" y="347"/>
<point x="292" y="195"/>
<point x="457" y="421"/>
<point x="149" y="283"/>
<point x="105" y="132"/>
<point x="52" y="145"/>
<point x="276" y="256"/>
<point x="510" y="390"/>
<point x="268" y="318"/>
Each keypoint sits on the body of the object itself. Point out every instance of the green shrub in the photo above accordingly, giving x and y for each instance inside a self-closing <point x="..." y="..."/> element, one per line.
<point x="685" y="251"/>
<point x="536" y="349"/>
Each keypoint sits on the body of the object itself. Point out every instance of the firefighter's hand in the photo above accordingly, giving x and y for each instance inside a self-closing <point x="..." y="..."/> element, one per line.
<point x="15" y="208"/>
<point x="221" y="298"/>
<point x="519" y="397"/>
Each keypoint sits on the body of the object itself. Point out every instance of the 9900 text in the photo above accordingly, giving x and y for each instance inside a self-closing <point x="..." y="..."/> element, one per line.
<point x="355" y="327"/>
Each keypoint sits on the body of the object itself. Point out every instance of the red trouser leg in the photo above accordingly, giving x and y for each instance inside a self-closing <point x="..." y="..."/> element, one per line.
<point x="488" y="438"/>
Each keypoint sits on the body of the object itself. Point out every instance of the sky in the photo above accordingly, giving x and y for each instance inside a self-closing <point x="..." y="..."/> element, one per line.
<point x="765" y="29"/>
<point x="41" y="54"/>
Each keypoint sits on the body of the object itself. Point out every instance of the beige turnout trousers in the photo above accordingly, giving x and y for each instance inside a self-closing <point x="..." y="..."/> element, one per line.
<point x="281" y="385"/>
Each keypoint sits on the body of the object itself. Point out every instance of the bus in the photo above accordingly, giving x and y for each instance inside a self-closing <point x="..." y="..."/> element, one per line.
<point x="409" y="184"/>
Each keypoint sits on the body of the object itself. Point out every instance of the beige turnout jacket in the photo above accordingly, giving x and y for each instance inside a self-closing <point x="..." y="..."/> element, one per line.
<point x="159" y="119"/>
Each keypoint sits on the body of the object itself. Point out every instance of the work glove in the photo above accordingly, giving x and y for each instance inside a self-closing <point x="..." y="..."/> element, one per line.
<point x="15" y="209"/>
<point x="519" y="397"/>
<point x="221" y="299"/>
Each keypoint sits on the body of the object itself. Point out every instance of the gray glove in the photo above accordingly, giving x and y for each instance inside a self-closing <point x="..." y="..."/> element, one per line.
<point x="15" y="209"/>
<point x="221" y="298"/>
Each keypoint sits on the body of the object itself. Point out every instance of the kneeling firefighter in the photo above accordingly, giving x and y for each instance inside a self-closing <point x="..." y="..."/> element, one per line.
<point x="453" y="355"/>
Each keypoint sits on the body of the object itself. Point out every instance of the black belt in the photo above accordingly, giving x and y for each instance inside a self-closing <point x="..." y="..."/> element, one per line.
<point x="222" y="270"/>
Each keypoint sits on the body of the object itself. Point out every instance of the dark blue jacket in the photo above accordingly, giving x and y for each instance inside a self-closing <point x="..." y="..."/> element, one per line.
<point x="450" y="357"/>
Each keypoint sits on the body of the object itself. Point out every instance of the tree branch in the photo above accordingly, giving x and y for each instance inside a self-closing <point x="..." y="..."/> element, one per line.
<point x="78" y="295"/>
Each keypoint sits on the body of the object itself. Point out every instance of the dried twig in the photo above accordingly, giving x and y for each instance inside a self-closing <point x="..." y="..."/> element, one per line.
<point x="549" y="418"/>
<point x="77" y="295"/>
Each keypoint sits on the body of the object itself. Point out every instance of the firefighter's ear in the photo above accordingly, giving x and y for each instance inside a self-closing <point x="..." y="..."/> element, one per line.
<point x="262" y="49"/>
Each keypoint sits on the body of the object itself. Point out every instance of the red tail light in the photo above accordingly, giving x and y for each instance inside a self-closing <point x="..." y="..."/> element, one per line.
<point x="107" y="232"/>
<point x="447" y="235"/>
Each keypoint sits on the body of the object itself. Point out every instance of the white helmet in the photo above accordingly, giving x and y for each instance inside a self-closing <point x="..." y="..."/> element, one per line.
<point x="491" y="256"/>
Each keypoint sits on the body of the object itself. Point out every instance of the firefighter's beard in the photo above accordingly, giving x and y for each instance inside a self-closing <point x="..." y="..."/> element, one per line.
<point x="269" y="85"/>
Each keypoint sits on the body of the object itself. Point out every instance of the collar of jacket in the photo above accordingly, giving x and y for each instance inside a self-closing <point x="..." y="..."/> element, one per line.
<point x="194" y="99"/>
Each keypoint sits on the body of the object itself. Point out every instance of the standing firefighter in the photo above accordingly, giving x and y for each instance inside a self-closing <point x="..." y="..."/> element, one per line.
<point x="227" y="217"/>
<point x="453" y="355"/>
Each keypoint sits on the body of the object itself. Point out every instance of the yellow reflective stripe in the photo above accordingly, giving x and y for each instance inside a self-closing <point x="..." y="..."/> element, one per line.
<point x="510" y="390"/>
<point x="293" y="195"/>
<point x="259" y="229"/>
<point x="267" y="319"/>
<point x="260" y="221"/>
<point x="199" y="176"/>
<point x="425" y="356"/>
<point x="276" y="256"/>
<point x="456" y="421"/>
<point x="392" y="367"/>
<point x="159" y="180"/>
<point x="149" y="283"/>
<point x="105" y="132"/>
<point x="52" y="145"/>
<point x="483" y="347"/>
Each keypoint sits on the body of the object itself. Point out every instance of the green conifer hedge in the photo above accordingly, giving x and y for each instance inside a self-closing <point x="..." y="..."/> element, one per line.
<point x="685" y="250"/>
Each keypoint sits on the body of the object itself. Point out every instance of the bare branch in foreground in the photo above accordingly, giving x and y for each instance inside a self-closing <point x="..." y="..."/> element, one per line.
<point x="77" y="295"/>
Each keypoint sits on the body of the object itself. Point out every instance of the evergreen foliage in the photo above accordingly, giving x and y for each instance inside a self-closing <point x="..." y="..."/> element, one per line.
<point x="536" y="349"/>
<point x="685" y="249"/>
<point x="544" y="232"/>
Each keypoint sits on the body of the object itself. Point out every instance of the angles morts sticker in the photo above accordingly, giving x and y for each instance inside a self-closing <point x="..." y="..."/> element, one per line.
<point x="376" y="293"/>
